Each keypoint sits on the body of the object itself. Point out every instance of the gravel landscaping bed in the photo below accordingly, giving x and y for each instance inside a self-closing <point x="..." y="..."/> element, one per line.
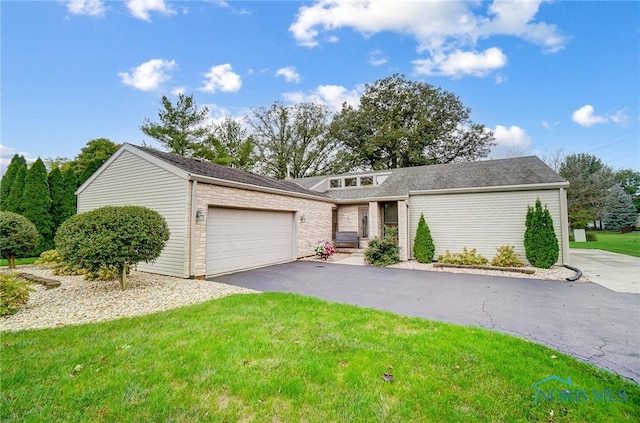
<point x="78" y="301"/>
<point x="554" y="273"/>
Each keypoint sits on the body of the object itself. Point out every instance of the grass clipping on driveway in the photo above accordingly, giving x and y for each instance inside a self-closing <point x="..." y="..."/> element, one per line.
<point x="283" y="357"/>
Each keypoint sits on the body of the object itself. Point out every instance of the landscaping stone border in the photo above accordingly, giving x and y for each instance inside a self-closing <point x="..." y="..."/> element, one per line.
<point x="46" y="282"/>
<point x="502" y="269"/>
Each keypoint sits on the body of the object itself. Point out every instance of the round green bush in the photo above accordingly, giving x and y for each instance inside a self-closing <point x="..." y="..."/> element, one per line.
<point x="18" y="237"/>
<point x="118" y="236"/>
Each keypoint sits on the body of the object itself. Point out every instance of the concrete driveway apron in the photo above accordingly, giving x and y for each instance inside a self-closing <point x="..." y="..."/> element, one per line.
<point x="582" y="319"/>
<point x="618" y="272"/>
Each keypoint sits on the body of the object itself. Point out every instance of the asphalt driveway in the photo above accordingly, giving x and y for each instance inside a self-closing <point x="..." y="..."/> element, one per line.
<point x="583" y="319"/>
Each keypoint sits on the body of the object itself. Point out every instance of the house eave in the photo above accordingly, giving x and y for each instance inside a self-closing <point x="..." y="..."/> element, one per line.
<point x="249" y="187"/>
<point x="370" y="199"/>
<point x="524" y="187"/>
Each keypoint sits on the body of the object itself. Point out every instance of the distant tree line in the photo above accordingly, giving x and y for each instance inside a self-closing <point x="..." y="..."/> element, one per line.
<point x="597" y="193"/>
<point x="399" y="123"/>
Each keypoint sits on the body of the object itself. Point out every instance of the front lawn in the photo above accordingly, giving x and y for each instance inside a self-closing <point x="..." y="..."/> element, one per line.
<point x="19" y="261"/>
<point x="628" y="243"/>
<point x="283" y="357"/>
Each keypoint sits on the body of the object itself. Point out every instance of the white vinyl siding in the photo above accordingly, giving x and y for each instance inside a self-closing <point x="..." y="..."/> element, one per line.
<point x="132" y="180"/>
<point x="483" y="221"/>
<point x="239" y="239"/>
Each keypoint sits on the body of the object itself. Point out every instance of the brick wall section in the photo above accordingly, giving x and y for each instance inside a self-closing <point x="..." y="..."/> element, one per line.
<point x="316" y="227"/>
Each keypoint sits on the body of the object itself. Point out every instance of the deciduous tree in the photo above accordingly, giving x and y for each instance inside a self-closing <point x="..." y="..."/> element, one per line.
<point x="119" y="237"/>
<point x="629" y="180"/>
<point x="403" y="123"/>
<point x="295" y="140"/>
<point x="228" y="144"/>
<point x="97" y="150"/>
<point x="18" y="237"/>
<point x="589" y="180"/>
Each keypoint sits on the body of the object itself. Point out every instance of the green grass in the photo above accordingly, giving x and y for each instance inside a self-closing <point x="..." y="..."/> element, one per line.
<point x="19" y="261"/>
<point x="286" y="358"/>
<point x="628" y="243"/>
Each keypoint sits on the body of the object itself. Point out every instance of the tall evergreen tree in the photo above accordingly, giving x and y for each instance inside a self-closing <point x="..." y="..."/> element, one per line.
<point x="36" y="202"/>
<point x="182" y="128"/>
<point x="9" y="177"/>
<point x="69" y="204"/>
<point x="56" y="190"/>
<point x="540" y="241"/>
<point x="14" y="200"/>
<point x="423" y="248"/>
<point x="620" y="212"/>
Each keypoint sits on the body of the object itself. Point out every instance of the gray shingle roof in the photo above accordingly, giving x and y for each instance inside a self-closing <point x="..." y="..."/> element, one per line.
<point x="481" y="174"/>
<point x="212" y="170"/>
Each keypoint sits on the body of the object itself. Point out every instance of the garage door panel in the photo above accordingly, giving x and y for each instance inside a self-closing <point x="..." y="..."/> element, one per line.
<point x="240" y="239"/>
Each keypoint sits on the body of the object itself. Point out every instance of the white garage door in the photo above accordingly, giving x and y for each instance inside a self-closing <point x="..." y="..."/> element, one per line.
<point x="239" y="239"/>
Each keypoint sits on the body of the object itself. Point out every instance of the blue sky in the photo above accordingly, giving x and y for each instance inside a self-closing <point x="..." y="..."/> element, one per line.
<point x="543" y="75"/>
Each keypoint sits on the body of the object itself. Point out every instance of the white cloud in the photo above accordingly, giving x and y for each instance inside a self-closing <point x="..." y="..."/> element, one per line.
<point x="221" y="78"/>
<point x="377" y="58"/>
<point x="585" y="116"/>
<point x="510" y="140"/>
<point x="440" y="28"/>
<point x="141" y="8"/>
<point x="461" y="63"/>
<point x="620" y="117"/>
<point x="289" y="74"/>
<point x="86" y="7"/>
<point x="331" y="96"/>
<point x="7" y="153"/>
<point x="149" y="75"/>
<point x="178" y="90"/>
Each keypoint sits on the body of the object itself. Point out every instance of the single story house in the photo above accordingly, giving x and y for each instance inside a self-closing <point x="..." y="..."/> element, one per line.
<point x="224" y="220"/>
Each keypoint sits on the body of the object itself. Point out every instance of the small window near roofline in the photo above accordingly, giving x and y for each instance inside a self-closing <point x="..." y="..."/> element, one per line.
<point x="350" y="182"/>
<point x="335" y="183"/>
<point x="366" y="180"/>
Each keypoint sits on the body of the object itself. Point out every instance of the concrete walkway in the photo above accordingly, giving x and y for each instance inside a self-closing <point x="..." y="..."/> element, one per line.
<point x="581" y="319"/>
<point x="617" y="272"/>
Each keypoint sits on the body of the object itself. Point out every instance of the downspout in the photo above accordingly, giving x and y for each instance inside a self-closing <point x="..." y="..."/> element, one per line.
<point x="192" y="230"/>
<point x="564" y="226"/>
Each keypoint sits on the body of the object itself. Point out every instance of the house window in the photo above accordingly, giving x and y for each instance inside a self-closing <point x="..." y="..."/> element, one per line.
<point x="335" y="183"/>
<point x="366" y="180"/>
<point x="363" y="219"/>
<point x="334" y="223"/>
<point x="391" y="214"/>
<point x="350" y="182"/>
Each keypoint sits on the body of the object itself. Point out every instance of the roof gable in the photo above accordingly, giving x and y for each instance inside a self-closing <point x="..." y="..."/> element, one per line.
<point x="207" y="169"/>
